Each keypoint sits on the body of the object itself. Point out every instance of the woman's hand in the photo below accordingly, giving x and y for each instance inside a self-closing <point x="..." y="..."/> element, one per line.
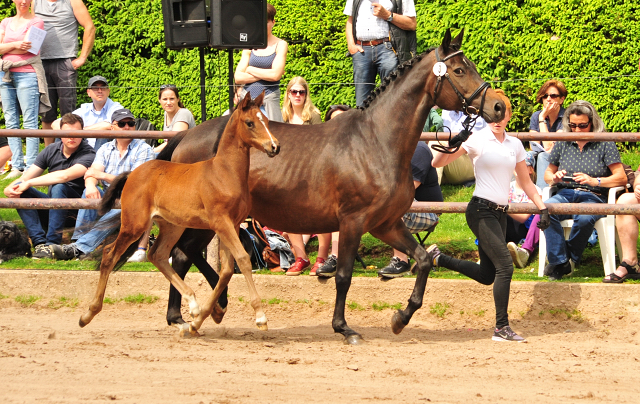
<point x="552" y="107"/>
<point x="23" y="45"/>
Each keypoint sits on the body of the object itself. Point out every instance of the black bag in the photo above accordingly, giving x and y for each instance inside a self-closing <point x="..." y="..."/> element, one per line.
<point x="405" y="43"/>
<point x="255" y="243"/>
<point x="144" y="124"/>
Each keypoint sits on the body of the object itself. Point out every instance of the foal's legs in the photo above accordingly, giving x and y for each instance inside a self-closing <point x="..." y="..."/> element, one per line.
<point x="350" y="235"/>
<point x="399" y="237"/>
<point x="231" y="247"/>
<point x="159" y="254"/>
<point x="110" y="256"/>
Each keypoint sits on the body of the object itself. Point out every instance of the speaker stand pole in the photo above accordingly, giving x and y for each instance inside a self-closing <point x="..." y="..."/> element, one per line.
<point x="231" y="89"/>
<point x="203" y="90"/>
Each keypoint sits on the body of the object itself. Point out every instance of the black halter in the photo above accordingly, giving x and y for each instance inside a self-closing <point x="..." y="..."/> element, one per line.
<point x="471" y="112"/>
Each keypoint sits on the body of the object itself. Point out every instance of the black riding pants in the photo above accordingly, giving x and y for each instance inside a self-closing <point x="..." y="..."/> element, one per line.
<point x="496" y="267"/>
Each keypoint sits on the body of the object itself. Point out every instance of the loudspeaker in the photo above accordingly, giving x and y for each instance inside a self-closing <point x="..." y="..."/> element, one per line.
<point x="185" y="23"/>
<point x="238" y="24"/>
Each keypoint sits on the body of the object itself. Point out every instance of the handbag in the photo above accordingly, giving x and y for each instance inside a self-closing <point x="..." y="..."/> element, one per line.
<point x="404" y="43"/>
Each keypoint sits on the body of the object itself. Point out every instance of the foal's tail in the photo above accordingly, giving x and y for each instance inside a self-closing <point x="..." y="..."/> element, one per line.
<point x="113" y="192"/>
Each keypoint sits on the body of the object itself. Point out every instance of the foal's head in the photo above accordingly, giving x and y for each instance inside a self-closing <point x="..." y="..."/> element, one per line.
<point x="252" y="126"/>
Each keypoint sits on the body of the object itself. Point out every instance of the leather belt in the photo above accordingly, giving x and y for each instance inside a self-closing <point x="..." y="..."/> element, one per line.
<point x="489" y="204"/>
<point x="374" y="42"/>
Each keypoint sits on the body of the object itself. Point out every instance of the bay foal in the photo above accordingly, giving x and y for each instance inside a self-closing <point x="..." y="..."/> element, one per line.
<point x="212" y="194"/>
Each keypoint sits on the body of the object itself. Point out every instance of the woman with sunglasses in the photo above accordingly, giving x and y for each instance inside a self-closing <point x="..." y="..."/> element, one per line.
<point x="583" y="171"/>
<point x="176" y="116"/>
<point x="495" y="156"/>
<point x="21" y="85"/>
<point x="551" y="95"/>
<point x="261" y="69"/>
<point x="298" y="109"/>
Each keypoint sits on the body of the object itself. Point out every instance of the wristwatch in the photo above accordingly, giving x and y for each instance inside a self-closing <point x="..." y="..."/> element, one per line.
<point x="390" y="17"/>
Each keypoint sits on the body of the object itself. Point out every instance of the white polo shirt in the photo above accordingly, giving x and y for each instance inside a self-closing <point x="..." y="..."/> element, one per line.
<point x="493" y="163"/>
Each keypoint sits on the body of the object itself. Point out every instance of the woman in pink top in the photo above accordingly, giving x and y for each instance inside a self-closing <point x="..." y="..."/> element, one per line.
<point x="19" y="89"/>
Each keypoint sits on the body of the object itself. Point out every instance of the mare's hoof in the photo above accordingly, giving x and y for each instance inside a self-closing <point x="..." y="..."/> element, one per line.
<point x="397" y="325"/>
<point x="354" y="339"/>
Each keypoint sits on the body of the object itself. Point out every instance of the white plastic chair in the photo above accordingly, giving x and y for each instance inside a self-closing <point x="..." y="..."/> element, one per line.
<point x="606" y="228"/>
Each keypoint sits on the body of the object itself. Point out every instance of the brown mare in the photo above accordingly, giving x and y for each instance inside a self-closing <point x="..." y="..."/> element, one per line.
<point x="351" y="174"/>
<point x="212" y="195"/>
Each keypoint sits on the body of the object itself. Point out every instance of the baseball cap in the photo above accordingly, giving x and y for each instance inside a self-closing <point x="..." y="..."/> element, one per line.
<point x="95" y="79"/>
<point x="529" y="160"/>
<point x="121" y="114"/>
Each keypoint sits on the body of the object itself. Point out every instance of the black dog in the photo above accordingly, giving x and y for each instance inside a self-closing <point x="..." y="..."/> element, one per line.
<point x="13" y="243"/>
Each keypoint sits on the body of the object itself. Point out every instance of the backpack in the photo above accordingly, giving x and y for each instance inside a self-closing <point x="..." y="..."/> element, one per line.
<point x="256" y="245"/>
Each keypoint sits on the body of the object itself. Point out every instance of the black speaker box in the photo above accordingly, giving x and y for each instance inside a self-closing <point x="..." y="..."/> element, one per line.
<point x="238" y="24"/>
<point x="185" y="23"/>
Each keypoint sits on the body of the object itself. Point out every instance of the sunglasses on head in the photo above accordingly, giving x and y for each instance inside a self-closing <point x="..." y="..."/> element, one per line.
<point x="130" y="124"/>
<point x="579" y="125"/>
<point x="165" y="86"/>
<point x="552" y="96"/>
<point x="298" y="92"/>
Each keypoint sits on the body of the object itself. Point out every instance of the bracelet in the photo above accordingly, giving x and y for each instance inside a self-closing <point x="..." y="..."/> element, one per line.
<point x="598" y="181"/>
<point x="542" y="122"/>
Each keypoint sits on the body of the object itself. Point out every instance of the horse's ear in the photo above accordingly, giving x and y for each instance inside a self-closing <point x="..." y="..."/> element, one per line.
<point x="244" y="103"/>
<point x="446" y="41"/>
<point x="457" y="41"/>
<point x="258" y="100"/>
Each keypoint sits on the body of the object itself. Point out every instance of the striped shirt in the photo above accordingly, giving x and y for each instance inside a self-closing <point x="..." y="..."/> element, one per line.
<point x="108" y="156"/>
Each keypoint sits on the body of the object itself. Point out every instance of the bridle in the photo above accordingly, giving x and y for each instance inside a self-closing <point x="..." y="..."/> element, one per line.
<point x="470" y="111"/>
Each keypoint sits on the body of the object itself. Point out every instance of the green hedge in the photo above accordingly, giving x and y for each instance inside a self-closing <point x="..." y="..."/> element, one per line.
<point x="517" y="43"/>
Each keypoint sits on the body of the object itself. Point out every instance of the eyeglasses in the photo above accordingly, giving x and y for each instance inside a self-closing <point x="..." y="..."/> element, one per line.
<point x="130" y="124"/>
<point x="298" y="92"/>
<point x="165" y="86"/>
<point x="552" y="96"/>
<point x="579" y="125"/>
<point x="101" y="88"/>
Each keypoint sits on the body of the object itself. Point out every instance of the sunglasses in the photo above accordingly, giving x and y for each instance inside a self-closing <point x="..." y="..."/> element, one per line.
<point x="102" y="88"/>
<point x="298" y="92"/>
<point x="165" y="86"/>
<point x="552" y="96"/>
<point x="130" y="124"/>
<point x="579" y="125"/>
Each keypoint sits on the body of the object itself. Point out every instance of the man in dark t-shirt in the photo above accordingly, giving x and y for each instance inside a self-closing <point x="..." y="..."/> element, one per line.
<point x="425" y="179"/>
<point x="67" y="161"/>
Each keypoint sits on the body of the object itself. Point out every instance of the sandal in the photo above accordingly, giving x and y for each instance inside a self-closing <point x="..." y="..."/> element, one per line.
<point x="613" y="278"/>
<point x="632" y="270"/>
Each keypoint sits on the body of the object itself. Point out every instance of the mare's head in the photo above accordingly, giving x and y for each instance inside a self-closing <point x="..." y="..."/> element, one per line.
<point x="252" y="126"/>
<point x="460" y="87"/>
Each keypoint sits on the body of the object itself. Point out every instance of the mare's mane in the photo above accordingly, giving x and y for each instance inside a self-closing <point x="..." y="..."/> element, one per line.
<point x="400" y="70"/>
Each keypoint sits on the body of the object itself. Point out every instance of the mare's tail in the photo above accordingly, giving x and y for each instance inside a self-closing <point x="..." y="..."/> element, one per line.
<point x="113" y="192"/>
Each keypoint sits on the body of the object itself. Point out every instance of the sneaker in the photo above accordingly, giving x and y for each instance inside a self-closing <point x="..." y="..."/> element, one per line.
<point x="65" y="252"/>
<point x="506" y="334"/>
<point x="138" y="256"/>
<point x="298" y="267"/>
<point x="42" y="251"/>
<point x="14" y="173"/>
<point x="519" y="255"/>
<point x="434" y="251"/>
<point x="395" y="269"/>
<point x="319" y="263"/>
<point x="329" y="268"/>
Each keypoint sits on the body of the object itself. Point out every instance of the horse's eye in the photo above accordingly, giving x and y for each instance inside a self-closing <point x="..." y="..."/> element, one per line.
<point x="250" y="124"/>
<point x="458" y="71"/>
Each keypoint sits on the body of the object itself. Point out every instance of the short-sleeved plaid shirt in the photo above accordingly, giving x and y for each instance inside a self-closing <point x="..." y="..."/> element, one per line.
<point x="138" y="152"/>
<point x="594" y="159"/>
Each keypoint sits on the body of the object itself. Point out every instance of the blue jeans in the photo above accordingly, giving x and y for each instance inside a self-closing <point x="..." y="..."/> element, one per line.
<point x="375" y="59"/>
<point x="87" y="235"/>
<point x="560" y="250"/>
<point x="542" y="162"/>
<point x="21" y="94"/>
<point x="45" y="226"/>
